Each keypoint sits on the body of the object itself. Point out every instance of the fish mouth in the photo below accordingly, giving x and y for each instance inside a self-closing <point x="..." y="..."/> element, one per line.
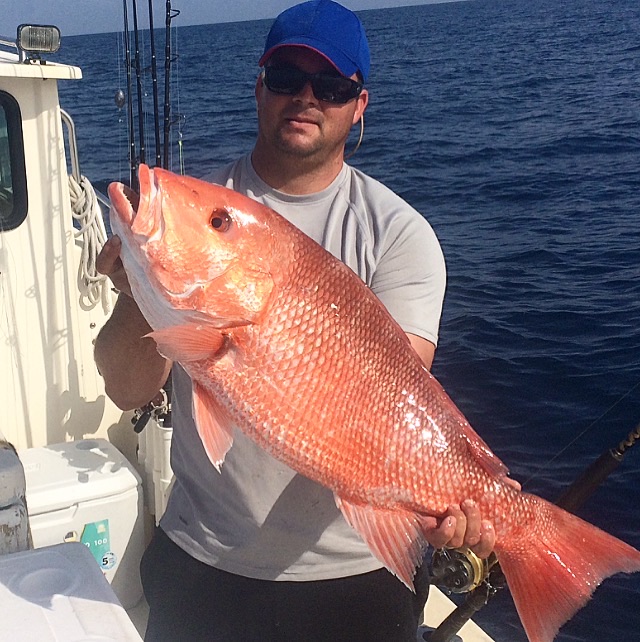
<point x="124" y="203"/>
<point x="132" y="197"/>
<point x="138" y="217"/>
<point x="140" y="212"/>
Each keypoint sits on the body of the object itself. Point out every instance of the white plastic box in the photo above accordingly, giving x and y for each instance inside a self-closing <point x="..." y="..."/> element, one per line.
<point x="154" y="457"/>
<point x="87" y="491"/>
<point x="57" y="594"/>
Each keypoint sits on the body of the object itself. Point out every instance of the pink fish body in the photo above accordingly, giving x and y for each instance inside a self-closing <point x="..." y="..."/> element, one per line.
<point x="286" y="343"/>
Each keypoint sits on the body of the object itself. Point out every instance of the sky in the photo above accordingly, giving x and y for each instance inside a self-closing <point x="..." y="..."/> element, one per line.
<point x="75" y="17"/>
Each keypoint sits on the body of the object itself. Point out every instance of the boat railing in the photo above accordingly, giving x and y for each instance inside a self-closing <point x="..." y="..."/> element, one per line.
<point x="74" y="157"/>
<point x="9" y="50"/>
<point x="73" y="147"/>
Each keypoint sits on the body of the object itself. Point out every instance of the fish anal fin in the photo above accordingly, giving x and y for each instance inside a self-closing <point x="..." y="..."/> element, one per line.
<point x="393" y="536"/>
<point x="553" y="571"/>
<point x="189" y="342"/>
<point x="213" y="424"/>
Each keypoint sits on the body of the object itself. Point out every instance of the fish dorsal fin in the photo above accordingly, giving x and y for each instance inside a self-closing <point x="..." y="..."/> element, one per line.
<point x="188" y="342"/>
<point x="482" y="453"/>
<point x="393" y="536"/>
<point x="213" y="423"/>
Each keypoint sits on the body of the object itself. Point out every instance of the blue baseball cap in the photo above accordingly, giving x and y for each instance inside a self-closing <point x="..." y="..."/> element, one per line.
<point x="326" y="27"/>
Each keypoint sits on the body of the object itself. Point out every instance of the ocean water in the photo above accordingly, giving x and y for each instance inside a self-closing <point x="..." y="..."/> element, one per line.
<point x="514" y="127"/>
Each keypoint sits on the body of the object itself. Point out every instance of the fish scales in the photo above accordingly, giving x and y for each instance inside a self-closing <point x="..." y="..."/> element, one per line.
<point x="283" y="341"/>
<point x="306" y="373"/>
<point x="326" y="401"/>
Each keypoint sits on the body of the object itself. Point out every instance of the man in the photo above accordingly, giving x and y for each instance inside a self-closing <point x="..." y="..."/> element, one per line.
<point x="258" y="552"/>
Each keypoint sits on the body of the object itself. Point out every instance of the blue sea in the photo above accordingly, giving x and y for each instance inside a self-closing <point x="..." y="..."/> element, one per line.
<point x="514" y="127"/>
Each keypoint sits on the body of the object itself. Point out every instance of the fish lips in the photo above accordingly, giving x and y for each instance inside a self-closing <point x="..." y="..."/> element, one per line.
<point x="124" y="202"/>
<point x="136" y="211"/>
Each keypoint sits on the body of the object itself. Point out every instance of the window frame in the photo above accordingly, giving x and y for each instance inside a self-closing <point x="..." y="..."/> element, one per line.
<point x="17" y="166"/>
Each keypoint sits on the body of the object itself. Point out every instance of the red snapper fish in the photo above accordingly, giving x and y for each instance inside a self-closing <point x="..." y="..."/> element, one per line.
<point x="285" y="342"/>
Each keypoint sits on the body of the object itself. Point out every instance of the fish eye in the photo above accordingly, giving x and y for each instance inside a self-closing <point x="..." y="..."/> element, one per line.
<point x="220" y="220"/>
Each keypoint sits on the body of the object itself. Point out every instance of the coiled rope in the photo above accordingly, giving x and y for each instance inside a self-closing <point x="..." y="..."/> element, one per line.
<point x="93" y="286"/>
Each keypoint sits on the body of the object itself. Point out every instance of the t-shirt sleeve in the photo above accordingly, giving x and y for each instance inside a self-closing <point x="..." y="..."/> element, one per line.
<point x="410" y="274"/>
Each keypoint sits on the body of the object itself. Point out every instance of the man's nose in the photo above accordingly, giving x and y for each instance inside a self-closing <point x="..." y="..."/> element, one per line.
<point x="306" y="93"/>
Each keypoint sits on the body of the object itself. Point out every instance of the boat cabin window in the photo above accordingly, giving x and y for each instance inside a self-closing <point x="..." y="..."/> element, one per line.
<point x="13" y="180"/>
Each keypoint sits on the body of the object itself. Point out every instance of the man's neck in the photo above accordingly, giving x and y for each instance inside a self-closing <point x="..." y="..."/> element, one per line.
<point x="294" y="175"/>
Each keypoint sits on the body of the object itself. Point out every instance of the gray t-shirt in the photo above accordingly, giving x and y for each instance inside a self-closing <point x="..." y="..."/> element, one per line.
<point x="257" y="517"/>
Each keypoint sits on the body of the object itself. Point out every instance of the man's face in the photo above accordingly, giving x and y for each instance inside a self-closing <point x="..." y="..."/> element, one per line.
<point x="301" y="125"/>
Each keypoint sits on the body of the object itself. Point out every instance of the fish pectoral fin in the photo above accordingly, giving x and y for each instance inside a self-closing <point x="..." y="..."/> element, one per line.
<point x="213" y="424"/>
<point x="189" y="342"/>
<point x="393" y="536"/>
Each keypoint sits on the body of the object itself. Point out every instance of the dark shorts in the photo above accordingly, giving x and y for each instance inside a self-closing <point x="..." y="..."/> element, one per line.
<point x="191" y="601"/>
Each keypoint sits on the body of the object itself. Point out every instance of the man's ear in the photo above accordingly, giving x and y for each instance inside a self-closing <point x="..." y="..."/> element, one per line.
<point x="259" y="86"/>
<point x="361" y="104"/>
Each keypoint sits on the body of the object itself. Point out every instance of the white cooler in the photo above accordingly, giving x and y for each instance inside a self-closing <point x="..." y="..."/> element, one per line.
<point x="57" y="594"/>
<point x="87" y="491"/>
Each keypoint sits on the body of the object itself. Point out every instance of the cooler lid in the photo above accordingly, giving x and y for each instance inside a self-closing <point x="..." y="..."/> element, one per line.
<point x="61" y="475"/>
<point x="59" y="593"/>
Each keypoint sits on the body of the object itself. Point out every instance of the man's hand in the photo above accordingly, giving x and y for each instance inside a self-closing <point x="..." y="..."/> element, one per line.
<point x="108" y="263"/>
<point x="130" y="364"/>
<point x="463" y="526"/>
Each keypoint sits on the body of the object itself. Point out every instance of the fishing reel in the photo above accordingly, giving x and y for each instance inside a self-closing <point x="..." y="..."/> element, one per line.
<point x="457" y="570"/>
<point x="158" y="409"/>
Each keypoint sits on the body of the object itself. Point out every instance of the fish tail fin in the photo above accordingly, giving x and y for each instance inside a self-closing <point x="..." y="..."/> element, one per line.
<point x="553" y="571"/>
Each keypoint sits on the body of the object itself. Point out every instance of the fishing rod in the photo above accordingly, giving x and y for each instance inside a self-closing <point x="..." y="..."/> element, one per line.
<point x="136" y="39"/>
<point x="157" y="408"/>
<point x="154" y="80"/>
<point x="134" y="62"/>
<point x="133" y="178"/>
<point x="586" y="484"/>
<point x="466" y="569"/>
<point x="170" y="14"/>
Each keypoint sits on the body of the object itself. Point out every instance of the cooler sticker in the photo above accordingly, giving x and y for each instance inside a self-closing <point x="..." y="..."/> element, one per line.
<point x="95" y="536"/>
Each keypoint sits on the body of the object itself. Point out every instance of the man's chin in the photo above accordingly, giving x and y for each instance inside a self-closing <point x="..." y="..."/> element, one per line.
<point x="299" y="148"/>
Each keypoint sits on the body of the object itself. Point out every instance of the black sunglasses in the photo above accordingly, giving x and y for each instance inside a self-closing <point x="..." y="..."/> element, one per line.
<point x="330" y="88"/>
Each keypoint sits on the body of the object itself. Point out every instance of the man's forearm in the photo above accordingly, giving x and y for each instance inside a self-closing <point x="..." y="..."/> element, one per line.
<point x="132" y="369"/>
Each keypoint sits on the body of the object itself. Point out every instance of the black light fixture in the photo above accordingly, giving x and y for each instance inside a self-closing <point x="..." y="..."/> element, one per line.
<point x="35" y="40"/>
